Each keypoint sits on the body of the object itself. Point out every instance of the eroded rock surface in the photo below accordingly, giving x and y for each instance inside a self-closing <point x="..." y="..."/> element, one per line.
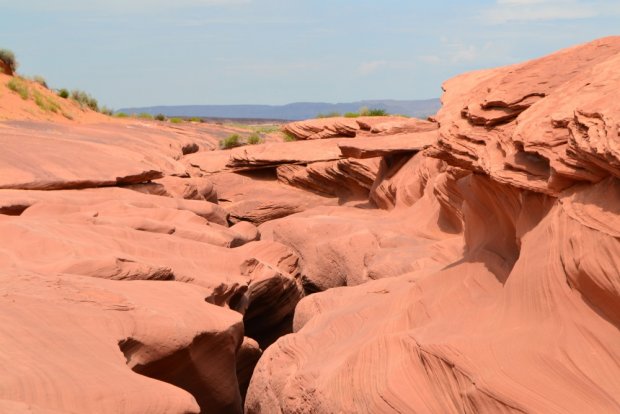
<point x="322" y="128"/>
<point x="539" y="125"/>
<point x="524" y="318"/>
<point x="377" y="264"/>
<point x="80" y="344"/>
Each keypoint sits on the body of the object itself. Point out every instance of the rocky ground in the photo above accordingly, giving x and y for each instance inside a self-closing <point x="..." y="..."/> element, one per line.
<point x="464" y="264"/>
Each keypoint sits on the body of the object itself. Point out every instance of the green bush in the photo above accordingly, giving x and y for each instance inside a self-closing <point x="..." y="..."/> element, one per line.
<point x="176" y="120"/>
<point x="84" y="99"/>
<point x="329" y="115"/>
<point x="260" y="129"/>
<point x="351" y="115"/>
<point x="63" y="93"/>
<point x="266" y="129"/>
<point x="377" y="112"/>
<point x="45" y="102"/>
<point x="145" y="115"/>
<point x="19" y="86"/>
<point x="8" y="58"/>
<point x="232" y="141"/>
<point x="40" y="80"/>
<point x="107" y="111"/>
<point x="160" y="117"/>
<point x="254" y="139"/>
<point x="121" y="115"/>
<point x="364" y="111"/>
<point x="288" y="137"/>
<point x="195" y="119"/>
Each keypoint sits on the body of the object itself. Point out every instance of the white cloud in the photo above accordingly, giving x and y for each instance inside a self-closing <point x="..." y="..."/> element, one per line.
<point x="270" y="69"/>
<point x="464" y="53"/>
<point x="429" y="59"/>
<point x="505" y="11"/>
<point x="374" y="66"/>
<point x="367" y="68"/>
<point x="454" y="53"/>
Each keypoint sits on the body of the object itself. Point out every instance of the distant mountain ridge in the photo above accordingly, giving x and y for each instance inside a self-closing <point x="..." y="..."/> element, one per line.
<point x="293" y="111"/>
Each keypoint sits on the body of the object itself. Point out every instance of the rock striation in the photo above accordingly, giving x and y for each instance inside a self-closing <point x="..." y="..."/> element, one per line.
<point x="523" y="317"/>
<point x="541" y="125"/>
<point x="322" y="128"/>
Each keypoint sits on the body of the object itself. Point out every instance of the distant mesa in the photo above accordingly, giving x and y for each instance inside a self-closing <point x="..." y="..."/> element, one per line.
<point x="293" y="111"/>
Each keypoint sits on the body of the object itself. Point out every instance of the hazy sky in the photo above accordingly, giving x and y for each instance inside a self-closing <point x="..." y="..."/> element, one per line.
<point x="141" y="52"/>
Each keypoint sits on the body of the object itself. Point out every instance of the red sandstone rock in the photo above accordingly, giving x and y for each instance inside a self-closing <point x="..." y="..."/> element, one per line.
<point x="403" y="125"/>
<point x="271" y="155"/>
<point x="471" y="269"/>
<point x="553" y="119"/>
<point x="5" y="69"/>
<point x="346" y="179"/>
<point x="519" y="329"/>
<point x="91" y="345"/>
<point x="526" y="317"/>
<point x="258" y="197"/>
<point x="379" y="146"/>
<point x="322" y="128"/>
<point x="194" y="188"/>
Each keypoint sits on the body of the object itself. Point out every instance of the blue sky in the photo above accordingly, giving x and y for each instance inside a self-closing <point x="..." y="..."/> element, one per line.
<point x="152" y="52"/>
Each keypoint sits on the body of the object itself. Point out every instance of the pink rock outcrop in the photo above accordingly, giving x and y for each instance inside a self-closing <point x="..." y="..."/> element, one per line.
<point x="347" y="179"/>
<point x="541" y="125"/>
<point x="525" y="317"/>
<point x="271" y="155"/>
<point x="380" y="146"/>
<point x="400" y="126"/>
<point x="74" y="344"/>
<point x="322" y="128"/>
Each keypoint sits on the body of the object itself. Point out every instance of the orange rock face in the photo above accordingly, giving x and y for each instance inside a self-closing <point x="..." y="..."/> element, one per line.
<point x="378" y="264"/>
<point x="523" y="316"/>
<point x="539" y="125"/>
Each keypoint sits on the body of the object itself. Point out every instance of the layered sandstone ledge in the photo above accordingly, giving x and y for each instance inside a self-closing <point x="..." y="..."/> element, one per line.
<point x="468" y="263"/>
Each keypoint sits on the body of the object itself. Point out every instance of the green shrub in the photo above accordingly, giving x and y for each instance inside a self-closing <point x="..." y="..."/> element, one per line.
<point x="8" y="58"/>
<point x="45" y="102"/>
<point x="377" y="112"/>
<point x="260" y="129"/>
<point x="63" y="93"/>
<point x="195" y="119"/>
<point x="364" y="111"/>
<point x="266" y="129"/>
<point x="38" y="99"/>
<point x="107" y="111"/>
<point x="288" y="137"/>
<point x="145" y="115"/>
<point x="329" y="115"/>
<point x="176" y="120"/>
<point x="84" y="99"/>
<point x="121" y="115"/>
<point x="254" y="139"/>
<point x="160" y="117"/>
<point x="351" y="115"/>
<point x="40" y="80"/>
<point x="232" y="141"/>
<point x="19" y="86"/>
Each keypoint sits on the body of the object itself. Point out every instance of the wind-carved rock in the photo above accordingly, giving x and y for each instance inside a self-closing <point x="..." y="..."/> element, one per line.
<point x="515" y="306"/>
